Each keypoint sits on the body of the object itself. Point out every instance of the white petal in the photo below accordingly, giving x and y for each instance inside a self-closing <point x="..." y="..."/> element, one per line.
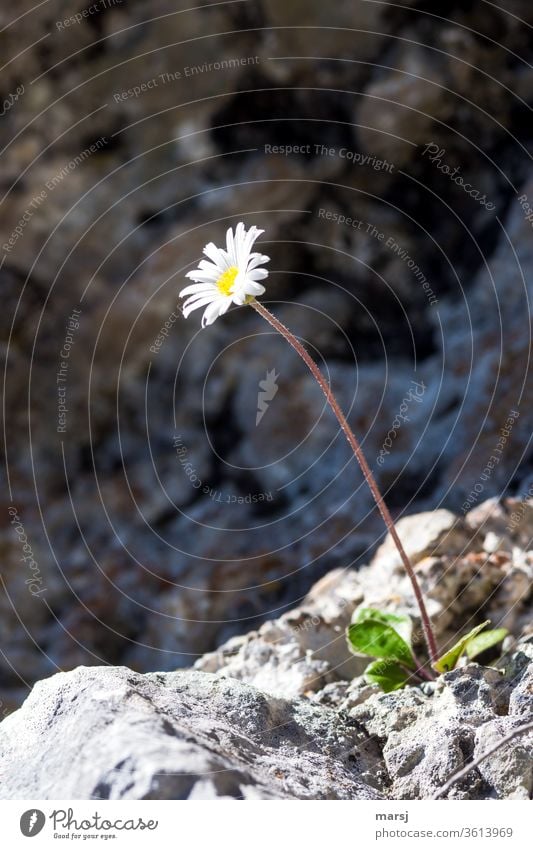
<point x="257" y="274"/>
<point x="224" y="307"/>
<point x="216" y="255"/>
<point x="241" y="252"/>
<point x="212" y="312"/>
<point x="202" y="290"/>
<point x="252" y="236"/>
<point x="195" y="287"/>
<point x="201" y="276"/>
<point x="191" y="305"/>
<point x="246" y="289"/>
<point x="257" y="259"/>
<point x="204" y="265"/>
<point x="207" y="296"/>
<point x="230" y="246"/>
<point x="240" y="232"/>
<point x="252" y="288"/>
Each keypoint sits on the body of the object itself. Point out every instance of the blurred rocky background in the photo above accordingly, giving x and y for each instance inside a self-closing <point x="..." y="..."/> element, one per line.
<point x="156" y="519"/>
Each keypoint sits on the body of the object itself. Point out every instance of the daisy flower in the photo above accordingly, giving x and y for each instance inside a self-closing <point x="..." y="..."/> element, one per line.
<point x="232" y="276"/>
<point x="226" y="277"/>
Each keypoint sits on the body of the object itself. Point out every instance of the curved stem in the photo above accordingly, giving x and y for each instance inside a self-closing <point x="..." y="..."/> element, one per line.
<point x="422" y="673"/>
<point x="365" y="468"/>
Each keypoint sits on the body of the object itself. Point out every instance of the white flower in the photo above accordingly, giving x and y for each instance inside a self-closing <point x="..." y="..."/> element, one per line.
<point x="231" y="275"/>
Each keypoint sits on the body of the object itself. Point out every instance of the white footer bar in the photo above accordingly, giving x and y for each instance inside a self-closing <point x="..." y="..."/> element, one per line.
<point x="268" y="825"/>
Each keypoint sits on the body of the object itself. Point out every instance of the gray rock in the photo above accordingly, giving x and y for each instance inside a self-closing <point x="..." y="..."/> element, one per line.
<point x="426" y="740"/>
<point x="430" y="534"/>
<point x="284" y="712"/>
<point x="109" y="733"/>
<point x="105" y="732"/>
<point x="305" y="650"/>
<point x="509" y="770"/>
<point x="521" y="698"/>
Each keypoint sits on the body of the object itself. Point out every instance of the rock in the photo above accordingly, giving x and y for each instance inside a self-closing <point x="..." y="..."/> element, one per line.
<point x="426" y="740"/>
<point x="353" y="31"/>
<point x="413" y="102"/>
<point x="278" y="658"/>
<point x="108" y="733"/>
<point x="521" y="698"/>
<point x="305" y="650"/>
<point x="194" y="735"/>
<point x="509" y="770"/>
<point x="300" y="652"/>
<point x="284" y="712"/>
<point x="428" y="535"/>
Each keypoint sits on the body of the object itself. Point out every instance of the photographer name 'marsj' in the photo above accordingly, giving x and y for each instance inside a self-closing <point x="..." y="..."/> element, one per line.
<point x="65" y="819"/>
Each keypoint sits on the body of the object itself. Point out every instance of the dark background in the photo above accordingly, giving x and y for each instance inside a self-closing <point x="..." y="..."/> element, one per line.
<point x="137" y="566"/>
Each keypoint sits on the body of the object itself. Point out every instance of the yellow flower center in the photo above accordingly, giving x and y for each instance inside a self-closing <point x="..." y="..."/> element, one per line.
<point x="225" y="281"/>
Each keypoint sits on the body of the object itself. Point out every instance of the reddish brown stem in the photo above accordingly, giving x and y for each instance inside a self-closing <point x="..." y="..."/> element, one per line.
<point x="365" y="468"/>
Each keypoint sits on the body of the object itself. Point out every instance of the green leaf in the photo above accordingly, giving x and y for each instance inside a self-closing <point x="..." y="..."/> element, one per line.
<point x="377" y="639"/>
<point x="449" y="660"/>
<point x="401" y="624"/>
<point x="388" y="674"/>
<point x="484" y="641"/>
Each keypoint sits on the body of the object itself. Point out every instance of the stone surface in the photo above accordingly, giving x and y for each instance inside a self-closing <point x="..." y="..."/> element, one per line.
<point x="305" y="649"/>
<point x="181" y="735"/>
<point x="285" y="712"/>
<point x="194" y="735"/>
<point x="428" y="535"/>
<point x="426" y="739"/>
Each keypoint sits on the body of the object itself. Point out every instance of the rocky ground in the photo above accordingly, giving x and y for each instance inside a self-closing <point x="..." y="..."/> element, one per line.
<point x="284" y="712"/>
